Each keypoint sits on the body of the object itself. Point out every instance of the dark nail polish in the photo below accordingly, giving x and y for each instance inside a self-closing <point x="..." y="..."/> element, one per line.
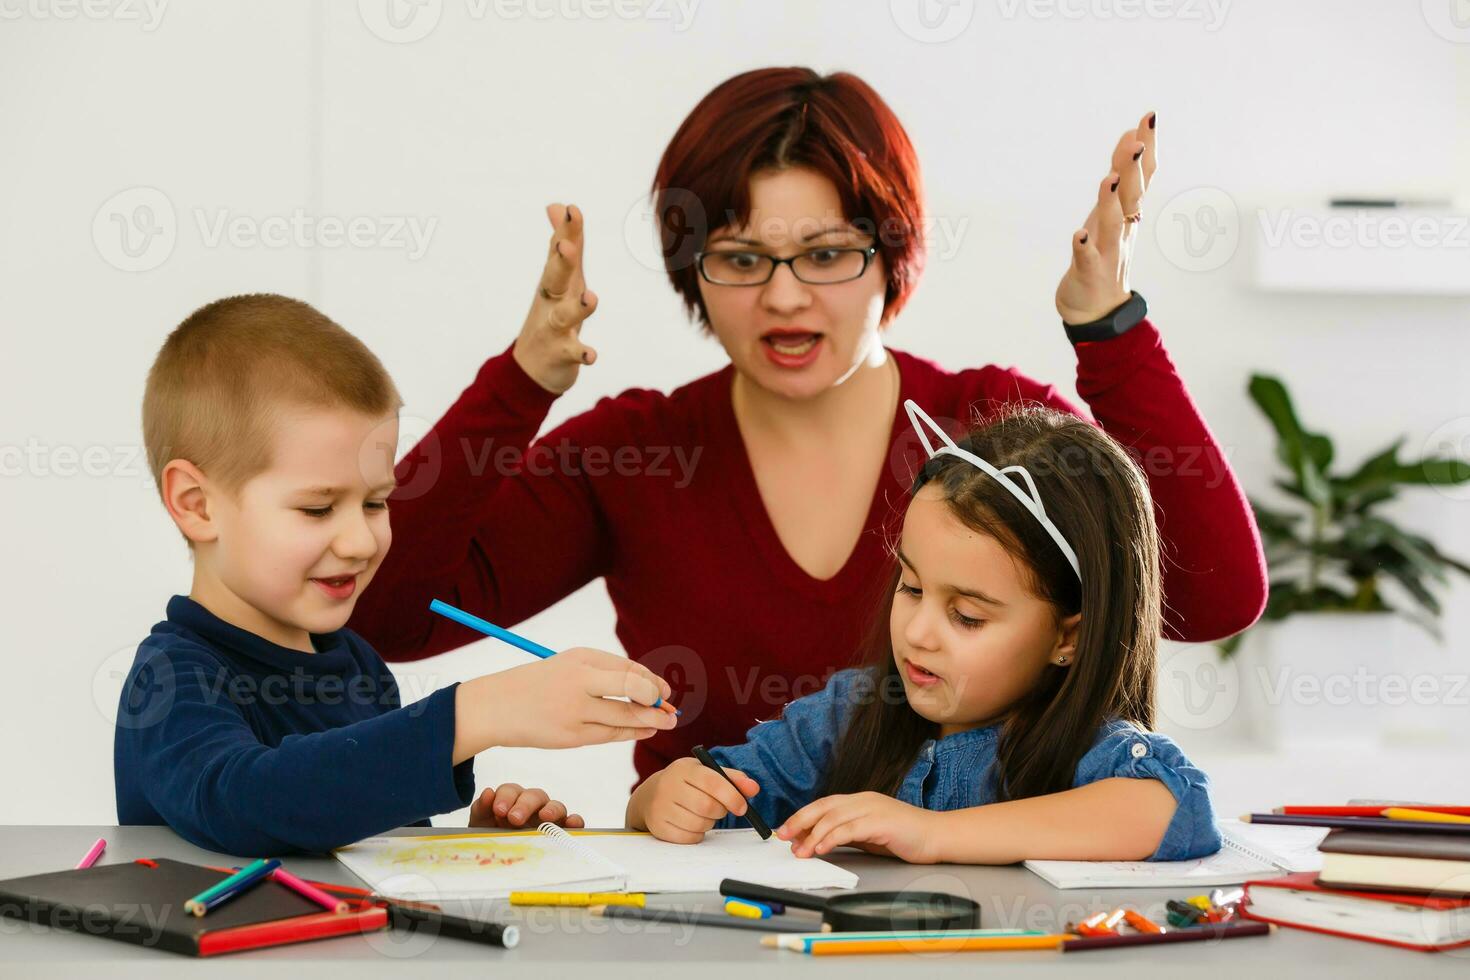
<point x="1084" y="239"/>
<point x="569" y="215"/>
<point x="1153" y="120"/>
<point x="1114" y="187"/>
<point x="1138" y="154"/>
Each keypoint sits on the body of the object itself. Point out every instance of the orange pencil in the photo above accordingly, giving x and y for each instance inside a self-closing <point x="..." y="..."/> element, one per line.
<point x="974" y="944"/>
<point x="1361" y="811"/>
<point x="1428" y="816"/>
<point x="1140" y="922"/>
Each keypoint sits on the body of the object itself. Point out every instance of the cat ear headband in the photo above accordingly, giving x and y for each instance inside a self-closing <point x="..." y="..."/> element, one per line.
<point x="1028" y="496"/>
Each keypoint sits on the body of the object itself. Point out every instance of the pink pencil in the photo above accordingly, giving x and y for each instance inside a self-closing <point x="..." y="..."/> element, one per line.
<point x="93" y="854"/>
<point x="308" y="890"/>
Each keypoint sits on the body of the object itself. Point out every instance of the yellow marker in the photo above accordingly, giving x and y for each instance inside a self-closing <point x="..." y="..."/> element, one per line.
<point x="747" y="910"/>
<point x="1201" y="902"/>
<point x="578" y="899"/>
<point x="1428" y="816"/>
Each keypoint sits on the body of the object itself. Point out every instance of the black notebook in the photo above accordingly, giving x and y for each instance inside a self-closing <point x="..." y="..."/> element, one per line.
<point x="142" y="902"/>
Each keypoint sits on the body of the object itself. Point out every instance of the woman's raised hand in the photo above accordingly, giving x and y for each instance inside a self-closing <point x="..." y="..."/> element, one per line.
<point x="1096" y="282"/>
<point x="550" y="347"/>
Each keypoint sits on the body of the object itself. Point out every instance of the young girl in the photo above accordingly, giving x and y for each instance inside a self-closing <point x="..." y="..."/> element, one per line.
<point x="1004" y="711"/>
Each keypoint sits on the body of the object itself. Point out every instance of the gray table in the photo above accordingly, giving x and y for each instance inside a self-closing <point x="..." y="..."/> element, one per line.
<point x="570" y="943"/>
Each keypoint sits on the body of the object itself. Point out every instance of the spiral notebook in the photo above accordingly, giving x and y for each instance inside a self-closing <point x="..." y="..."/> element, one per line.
<point x="1247" y="851"/>
<point x="480" y="866"/>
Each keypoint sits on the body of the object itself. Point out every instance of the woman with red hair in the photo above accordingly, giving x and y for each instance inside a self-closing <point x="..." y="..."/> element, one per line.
<point x="739" y="520"/>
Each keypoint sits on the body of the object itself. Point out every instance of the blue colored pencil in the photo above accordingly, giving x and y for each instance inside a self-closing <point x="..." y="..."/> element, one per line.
<point x="241" y="881"/>
<point x="504" y="635"/>
<point x="490" y="629"/>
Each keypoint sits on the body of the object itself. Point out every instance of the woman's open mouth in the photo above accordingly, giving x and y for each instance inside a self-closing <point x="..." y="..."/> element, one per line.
<point x="792" y="348"/>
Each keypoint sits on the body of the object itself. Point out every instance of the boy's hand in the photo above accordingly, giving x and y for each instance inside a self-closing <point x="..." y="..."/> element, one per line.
<point x="511" y="806"/>
<point x="686" y="799"/>
<point x="871" y="822"/>
<point x="561" y="702"/>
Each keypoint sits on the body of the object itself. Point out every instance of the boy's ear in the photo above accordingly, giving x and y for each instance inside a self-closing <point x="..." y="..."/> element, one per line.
<point x="1065" y="651"/>
<point x="184" y="494"/>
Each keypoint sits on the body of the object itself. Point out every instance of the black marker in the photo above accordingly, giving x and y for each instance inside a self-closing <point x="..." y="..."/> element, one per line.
<point x="420" y="919"/>
<point x="755" y="818"/>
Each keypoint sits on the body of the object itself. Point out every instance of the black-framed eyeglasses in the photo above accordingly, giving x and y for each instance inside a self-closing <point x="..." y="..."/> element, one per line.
<point x="818" y="267"/>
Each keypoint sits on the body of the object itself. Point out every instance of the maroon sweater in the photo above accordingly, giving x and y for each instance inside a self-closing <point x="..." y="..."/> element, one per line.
<point x="655" y="494"/>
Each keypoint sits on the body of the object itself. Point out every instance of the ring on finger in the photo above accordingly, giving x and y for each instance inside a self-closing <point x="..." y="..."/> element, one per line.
<point x="1133" y="216"/>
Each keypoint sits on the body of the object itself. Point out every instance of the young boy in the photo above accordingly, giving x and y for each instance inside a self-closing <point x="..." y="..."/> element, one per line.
<point x="251" y="722"/>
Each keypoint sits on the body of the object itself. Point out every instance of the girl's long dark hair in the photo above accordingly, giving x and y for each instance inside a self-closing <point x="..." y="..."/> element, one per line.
<point x="1094" y="493"/>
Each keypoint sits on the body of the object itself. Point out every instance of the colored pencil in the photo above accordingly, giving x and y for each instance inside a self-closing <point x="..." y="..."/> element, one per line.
<point x="1356" y="823"/>
<point x="514" y="639"/>
<point x="308" y="890"/>
<point x="231" y="875"/>
<point x="1196" y="934"/>
<point x="801" y="943"/>
<point x="959" y="944"/>
<point x="242" y="881"/>
<point x="1361" y="811"/>
<point x="579" y="899"/>
<point x="1426" y="816"/>
<point x="326" y="886"/>
<point x="490" y="629"/>
<point x="93" y="853"/>
<point x="680" y="917"/>
<point x="1140" y="922"/>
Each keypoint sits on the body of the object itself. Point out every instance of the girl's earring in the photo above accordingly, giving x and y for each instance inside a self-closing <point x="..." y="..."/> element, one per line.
<point x="1062" y="661"/>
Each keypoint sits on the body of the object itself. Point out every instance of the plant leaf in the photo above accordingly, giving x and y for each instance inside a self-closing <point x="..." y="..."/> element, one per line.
<point x="1372" y="472"/>
<point x="1307" y="454"/>
<point x="1408" y="576"/>
<point x="1277" y="526"/>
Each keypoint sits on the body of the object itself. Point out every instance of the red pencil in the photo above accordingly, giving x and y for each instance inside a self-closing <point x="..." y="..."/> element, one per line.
<point x="1363" y="811"/>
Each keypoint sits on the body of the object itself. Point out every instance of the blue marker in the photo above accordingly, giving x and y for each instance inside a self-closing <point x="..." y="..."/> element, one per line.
<point x="504" y="635"/>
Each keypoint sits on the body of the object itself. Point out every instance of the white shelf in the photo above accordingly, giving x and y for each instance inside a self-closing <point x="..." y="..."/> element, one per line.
<point x="1361" y="250"/>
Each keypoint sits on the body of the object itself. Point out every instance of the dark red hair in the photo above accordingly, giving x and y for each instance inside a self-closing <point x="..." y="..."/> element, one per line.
<point x="835" y="125"/>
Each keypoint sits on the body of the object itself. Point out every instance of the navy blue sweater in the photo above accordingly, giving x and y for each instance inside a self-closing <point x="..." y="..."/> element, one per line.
<point x="250" y="748"/>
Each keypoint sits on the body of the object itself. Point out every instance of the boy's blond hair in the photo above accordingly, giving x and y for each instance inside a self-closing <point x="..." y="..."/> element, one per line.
<point x="221" y="379"/>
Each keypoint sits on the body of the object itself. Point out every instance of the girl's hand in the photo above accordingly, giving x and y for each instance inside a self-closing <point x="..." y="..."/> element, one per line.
<point x="1096" y="283"/>
<point x="681" y="802"/>
<point x="511" y="806"/>
<point x="871" y="821"/>
<point x="549" y="347"/>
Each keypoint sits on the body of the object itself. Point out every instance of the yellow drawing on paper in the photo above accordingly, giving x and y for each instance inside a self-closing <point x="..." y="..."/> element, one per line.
<point x="456" y="855"/>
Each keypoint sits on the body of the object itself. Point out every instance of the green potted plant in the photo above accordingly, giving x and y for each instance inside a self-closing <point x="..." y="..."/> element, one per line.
<point x="1337" y="557"/>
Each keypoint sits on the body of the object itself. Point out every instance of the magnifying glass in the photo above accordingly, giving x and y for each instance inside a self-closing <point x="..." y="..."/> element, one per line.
<point x="908" y="911"/>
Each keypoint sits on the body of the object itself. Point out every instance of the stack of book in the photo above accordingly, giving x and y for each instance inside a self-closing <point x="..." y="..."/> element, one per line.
<point x="1390" y="874"/>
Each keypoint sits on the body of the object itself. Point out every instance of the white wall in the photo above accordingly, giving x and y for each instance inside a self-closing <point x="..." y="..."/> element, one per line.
<point x="259" y="109"/>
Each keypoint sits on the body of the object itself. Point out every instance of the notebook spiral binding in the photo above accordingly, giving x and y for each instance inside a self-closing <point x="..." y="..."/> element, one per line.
<point x="1249" y="852"/>
<point x="564" y="839"/>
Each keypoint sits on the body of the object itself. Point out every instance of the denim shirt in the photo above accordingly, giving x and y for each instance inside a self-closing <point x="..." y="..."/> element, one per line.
<point x="789" y="758"/>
